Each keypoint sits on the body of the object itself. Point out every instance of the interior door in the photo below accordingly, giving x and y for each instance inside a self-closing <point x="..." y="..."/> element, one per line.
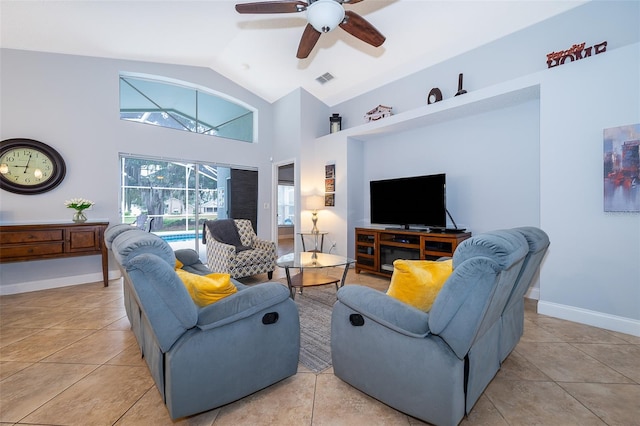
<point x="285" y="207"/>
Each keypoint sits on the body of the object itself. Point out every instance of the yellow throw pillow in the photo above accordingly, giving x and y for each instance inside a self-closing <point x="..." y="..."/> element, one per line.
<point x="418" y="282"/>
<point x="207" y="289"/>
<point x="179" y="264"/>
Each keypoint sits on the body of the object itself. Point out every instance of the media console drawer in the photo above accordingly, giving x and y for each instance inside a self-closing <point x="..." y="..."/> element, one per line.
<point x="19" y="243"/>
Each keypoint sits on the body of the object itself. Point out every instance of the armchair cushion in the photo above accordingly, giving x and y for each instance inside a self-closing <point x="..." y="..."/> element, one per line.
<point x="206" y="289"/>
<point x="418" y="282"/>
<point x="225" y="231"/>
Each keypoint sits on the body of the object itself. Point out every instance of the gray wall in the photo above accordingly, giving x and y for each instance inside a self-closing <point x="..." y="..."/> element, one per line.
<point x="72" y="103"/>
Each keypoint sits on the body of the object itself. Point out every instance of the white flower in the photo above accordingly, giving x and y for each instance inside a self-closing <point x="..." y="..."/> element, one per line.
<point x="78" y="203"/>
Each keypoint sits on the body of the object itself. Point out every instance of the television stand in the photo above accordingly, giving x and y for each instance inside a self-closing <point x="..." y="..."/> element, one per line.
<point x="376" y="249"/>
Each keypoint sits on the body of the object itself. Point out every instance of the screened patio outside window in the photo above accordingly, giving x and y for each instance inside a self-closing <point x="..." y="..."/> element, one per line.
<point x="181" y="107"/>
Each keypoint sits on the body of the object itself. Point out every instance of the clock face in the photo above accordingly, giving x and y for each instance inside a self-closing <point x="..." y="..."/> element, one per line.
<point x="29" y="167"/>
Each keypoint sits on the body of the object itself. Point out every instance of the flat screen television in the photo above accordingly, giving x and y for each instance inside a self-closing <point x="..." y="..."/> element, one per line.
<point x="417" y="200"/>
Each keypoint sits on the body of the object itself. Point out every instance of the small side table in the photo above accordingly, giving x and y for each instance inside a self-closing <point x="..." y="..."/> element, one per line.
<point x="315" y="235"/>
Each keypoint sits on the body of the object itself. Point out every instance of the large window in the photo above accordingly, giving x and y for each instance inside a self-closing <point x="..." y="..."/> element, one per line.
<point x="182" y="106"/>
<point x="173" y="198"/>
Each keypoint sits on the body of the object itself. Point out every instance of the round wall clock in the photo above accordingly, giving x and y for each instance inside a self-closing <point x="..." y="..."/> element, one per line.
<point x="29" y="167"/>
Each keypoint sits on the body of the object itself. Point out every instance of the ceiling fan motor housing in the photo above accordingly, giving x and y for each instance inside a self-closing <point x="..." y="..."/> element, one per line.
<point x="325" y="15"/>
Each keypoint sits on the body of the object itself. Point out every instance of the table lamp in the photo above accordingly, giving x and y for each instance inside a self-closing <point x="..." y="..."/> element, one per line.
<point x="314" y="203"/>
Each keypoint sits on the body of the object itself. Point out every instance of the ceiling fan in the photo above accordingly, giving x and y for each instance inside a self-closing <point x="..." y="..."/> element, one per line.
<point x="322" y="16"/>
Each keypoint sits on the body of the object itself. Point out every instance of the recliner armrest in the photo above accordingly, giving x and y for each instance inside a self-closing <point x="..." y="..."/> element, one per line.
<point x="241" y="305"/>
<point x="191" y="261"/>
<point x="385" y="310"/>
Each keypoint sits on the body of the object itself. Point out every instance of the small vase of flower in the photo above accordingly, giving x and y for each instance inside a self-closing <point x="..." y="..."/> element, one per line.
<point x="79" y="205"/>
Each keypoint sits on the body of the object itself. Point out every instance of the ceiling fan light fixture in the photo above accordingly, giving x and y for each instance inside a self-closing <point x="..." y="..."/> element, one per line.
<point x="325" y="15"/>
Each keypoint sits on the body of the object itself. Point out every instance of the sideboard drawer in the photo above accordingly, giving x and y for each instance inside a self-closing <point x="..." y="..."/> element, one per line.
<point x="13" y="237"/>
<point x="26" y="251"/>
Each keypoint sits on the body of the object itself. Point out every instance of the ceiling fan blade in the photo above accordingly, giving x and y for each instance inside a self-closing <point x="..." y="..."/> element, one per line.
<point x="350" y="1"/>
<point x="282" y="6"/>
<point x="307" y="42"/>
<point x="360" y="28"/>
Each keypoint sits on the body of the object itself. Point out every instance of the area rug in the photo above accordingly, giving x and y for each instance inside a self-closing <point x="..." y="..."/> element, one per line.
<point x="314" y="307"/>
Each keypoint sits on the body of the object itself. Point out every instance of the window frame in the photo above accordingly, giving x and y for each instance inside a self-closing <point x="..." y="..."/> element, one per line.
<point x="197" y="88"/>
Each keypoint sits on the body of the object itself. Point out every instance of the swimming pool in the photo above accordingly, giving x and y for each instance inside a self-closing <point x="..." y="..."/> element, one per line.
<point x="173" y="238"/>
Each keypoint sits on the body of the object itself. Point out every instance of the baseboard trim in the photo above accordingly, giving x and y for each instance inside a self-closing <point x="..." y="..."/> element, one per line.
<point x="588" y="317"/>
<point x="29" y="286"/>
<point x="533" y="293"/>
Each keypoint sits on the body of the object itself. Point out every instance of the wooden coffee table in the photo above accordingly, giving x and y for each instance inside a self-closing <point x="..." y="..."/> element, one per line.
<point x="309" y="264"/>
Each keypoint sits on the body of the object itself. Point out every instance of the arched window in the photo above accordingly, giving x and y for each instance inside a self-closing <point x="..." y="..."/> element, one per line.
<point x="182" y="106"/>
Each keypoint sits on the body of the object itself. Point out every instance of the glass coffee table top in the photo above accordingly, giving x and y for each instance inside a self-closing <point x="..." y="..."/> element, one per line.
<point x="312" y="262"/>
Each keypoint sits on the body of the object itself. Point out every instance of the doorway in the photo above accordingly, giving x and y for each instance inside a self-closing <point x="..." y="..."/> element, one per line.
<point x="286" y="208"/>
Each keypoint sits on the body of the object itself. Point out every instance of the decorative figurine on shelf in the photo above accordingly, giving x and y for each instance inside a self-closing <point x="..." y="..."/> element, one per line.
<point x="335" y="123"/>
<point x="435" y="95"/>
<point x="377" y="113"/>
<point x="461" y="91"/>
<point x="79" y="205"/>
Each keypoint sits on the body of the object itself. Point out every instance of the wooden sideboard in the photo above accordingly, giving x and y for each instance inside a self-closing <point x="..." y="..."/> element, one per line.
<point x="54" y="240"/>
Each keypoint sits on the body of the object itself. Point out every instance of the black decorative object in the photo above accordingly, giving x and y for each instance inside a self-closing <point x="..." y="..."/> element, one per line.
<point x="461" y="91"/>
<point x="435" y="95"/>
<point x="335" y="122"/>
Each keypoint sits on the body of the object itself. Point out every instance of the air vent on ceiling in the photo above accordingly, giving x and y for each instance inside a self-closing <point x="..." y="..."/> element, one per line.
<point x="324" y="78"/>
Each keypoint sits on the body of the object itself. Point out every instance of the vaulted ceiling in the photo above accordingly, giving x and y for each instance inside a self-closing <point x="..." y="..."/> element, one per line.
<point x="259" y="51"/>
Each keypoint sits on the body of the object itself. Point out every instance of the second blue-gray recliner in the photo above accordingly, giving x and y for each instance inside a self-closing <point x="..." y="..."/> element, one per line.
<point x="433" y="366"/>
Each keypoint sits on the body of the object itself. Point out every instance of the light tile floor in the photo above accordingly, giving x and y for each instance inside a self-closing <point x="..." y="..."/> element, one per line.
<point x="67" y="357"/>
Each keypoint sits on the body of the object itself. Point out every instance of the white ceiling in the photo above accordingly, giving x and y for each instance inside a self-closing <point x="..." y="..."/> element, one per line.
<point x="259" y="51"/>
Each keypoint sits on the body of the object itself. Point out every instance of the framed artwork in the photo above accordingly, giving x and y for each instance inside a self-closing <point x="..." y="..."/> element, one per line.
<point x="622" y="169"/>
<point x="330" y="185"/>
<point x="330" y="171"/>
<point x="329" y="200"/>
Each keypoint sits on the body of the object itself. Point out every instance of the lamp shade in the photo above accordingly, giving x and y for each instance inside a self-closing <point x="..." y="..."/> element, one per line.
<point x="314" y="202"/>
<point x="325" y="15"/>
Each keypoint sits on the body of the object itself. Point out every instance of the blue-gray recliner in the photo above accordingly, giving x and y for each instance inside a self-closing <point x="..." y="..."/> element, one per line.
<point x="202" y="358"/>
<point x="433" y="366"/>
<point x="513" y="314"/>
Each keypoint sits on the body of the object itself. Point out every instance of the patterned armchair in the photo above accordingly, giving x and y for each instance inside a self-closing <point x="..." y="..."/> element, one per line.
<point x="226" y="258"/>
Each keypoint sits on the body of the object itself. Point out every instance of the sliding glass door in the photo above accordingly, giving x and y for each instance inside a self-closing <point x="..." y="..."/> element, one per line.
<point x="173" y="198"/>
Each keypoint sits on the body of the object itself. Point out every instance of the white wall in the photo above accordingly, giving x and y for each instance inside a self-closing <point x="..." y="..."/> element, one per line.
<point x="550" y="148"/>
<point x="72" y="103"/>
<point x="592" y="273"/>
<point x="491" y="161"/>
